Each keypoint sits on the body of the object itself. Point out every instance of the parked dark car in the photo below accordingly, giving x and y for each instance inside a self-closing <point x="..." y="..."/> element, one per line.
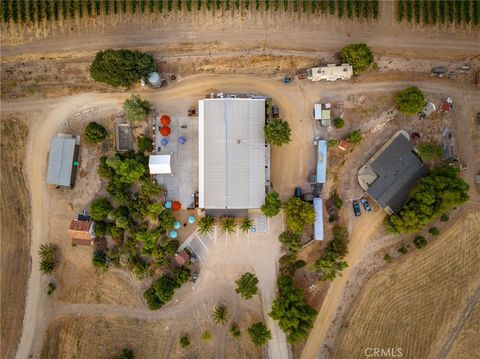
<point x="298" y="192"/>
<point x="356" y="208"/>
<point x="275" y="111"/>
<point x="366" y="205"/>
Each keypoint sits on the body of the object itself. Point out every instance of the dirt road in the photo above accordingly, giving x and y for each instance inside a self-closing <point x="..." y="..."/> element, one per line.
<point x="363" y="228"/>
<point x="295" y="103"/>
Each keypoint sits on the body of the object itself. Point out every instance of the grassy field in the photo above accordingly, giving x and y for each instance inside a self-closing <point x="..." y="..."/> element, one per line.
<point x="466" y="346"/>
<point x="413" y="303"/>
<point x="15" y="223"/>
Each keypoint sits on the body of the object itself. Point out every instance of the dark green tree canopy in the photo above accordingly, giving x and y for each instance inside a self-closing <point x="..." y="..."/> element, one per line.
<point x="272" y="204"/>
<point x="247" y="285"/>
<point x="121" y="67"/>
<point x="359" y="56"/>
<point x="95" y="133"/>
<point x="354" y="137"/>
<point x="298" y="214"/>
<point x="410" y="101"/>
<point x="329" y="266"/>
<point x="277" y="132"/>
<point x="144" y="144"/>
<point x="136" y="109"/>
<point x="294" y="316"/>
<point x="128" y="170"/>
<point x="436" y="193"/>
<point x="338" y="122"/>
<point x="291" y="241"/>
<point x="100" y="208"/>
<point x="259" y="333"/>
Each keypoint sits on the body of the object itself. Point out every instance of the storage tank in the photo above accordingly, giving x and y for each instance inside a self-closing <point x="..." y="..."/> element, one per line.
<point x="154" y="79"/>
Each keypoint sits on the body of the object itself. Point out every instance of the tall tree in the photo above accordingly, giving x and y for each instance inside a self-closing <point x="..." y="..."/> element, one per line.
<point x="121" y="67"/>
<point x="136" y="109"/>
<point x="277" y="132"/>
<point x="259" y="333"/>
<point x="410" y="101"/>
<point x="272" y="204"/>
<point x="247" y="285"/>
<point x="298" y="214"/>
<point x="359" y="56"/>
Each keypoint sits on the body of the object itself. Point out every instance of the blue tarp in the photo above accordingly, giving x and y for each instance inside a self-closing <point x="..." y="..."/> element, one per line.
<point x="321" y="161"/>
<point x="318" y="225"/>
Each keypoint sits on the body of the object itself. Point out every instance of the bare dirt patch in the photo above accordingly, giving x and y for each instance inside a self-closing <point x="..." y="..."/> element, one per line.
<point x="409" y="305"/>
<point x="15" y="232"/>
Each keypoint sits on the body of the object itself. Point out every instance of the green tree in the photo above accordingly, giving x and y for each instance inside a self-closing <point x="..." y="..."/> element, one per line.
<point x="184" y="341"/>
<point x="206" y="224"/>
<point x="435" y="194"/>
<point x="354" y="137"/>
<point x="48" y="257"/>
<point x="387" y="258"/>
<point x="128" y="170"/>
<point x="227" y="225"/>
<point x="155" y="209"/>
<point x="298" y="214"/>
<point x="259" y="334"/>
<point x="410" y="101"/>
<point x="329" y="266"/>
<point x="127" y="354"/>
<point x="272" y="204"/>
<point x="151" y="189"/>
<point x="444" y="217"/>
<point x="51" y="288"/>
<point x="100" y="208"/>
<point x="247" y="285"/>
<point x="206" y="336"/>
<point x="434" y="231"/>
<point x="100" y="229"/>
<point x="104" y="170"/>
<point x="144" y="144"/>
<point x="181" y="275"/>
<point x="121" y="67"/>
<point x="277" y="132"/>
<point x="291" y="241"/>
<point x="220" y="315"/>
<point x="420" y="242"/>
<point x="235" y="330"/>
<point x="100" y="261"/>
<point x="357" y="55"/>
<point x="95" y="133"/>
<point x="136" y="109"/>
<point x="403" y="250"/>
<point x="429" y="151"/>
<point x="339" y="244"/>
<point x="246" y="224"/>
<point x="338" y="122"/>
<point x="294" y="316"/>
<point x="152" y="300"/>
<point x="165" y="288"/>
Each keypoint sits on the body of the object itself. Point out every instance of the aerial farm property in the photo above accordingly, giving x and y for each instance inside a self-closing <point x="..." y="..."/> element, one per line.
<point x="240" y="179"/>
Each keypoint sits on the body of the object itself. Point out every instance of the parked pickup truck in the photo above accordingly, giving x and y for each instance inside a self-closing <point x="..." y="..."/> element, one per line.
<point x="356" y="208"/>
<point x="366" y="205"/>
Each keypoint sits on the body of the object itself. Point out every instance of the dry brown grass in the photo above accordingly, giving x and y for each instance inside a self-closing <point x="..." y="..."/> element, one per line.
<point x="466" y="346"/>
<point x="414" y="302"/>
<point x="15" y="244"/>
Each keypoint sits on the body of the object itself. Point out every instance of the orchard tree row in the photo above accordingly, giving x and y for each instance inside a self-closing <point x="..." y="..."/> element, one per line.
<point x="439" y="11"/>
<point x="37" y="11"/>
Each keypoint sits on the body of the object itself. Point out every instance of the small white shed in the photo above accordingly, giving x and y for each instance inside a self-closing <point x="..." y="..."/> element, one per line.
<point x="159" y="164"/>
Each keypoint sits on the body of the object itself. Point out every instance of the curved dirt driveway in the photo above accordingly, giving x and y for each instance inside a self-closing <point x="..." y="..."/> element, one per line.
<point x="290" y="99"/>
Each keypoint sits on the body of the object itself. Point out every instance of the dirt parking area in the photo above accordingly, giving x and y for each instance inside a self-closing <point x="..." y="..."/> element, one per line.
<point x="15" y="235"/>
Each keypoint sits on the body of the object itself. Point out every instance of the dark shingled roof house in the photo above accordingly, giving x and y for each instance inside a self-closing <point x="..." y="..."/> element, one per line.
<point x="392" y="172"/>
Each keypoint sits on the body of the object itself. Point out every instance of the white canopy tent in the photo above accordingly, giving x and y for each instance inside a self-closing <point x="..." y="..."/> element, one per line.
<point x="159" y="164"/>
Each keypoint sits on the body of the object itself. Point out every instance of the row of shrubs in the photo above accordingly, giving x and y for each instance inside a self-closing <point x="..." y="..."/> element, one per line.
<point x="31" y="11"/>
<point x="439" y="11"/>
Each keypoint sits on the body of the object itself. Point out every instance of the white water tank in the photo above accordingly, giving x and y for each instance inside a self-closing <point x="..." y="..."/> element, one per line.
<point x="154" y="79"/>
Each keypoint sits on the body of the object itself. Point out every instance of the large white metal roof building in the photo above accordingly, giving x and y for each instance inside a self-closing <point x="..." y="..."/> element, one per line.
<point x="231" y="153"/>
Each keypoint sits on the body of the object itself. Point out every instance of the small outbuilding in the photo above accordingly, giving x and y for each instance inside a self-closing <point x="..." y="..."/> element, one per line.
<point x="321" y="161"/>
<point x="343" y="144"/>
<point x="63" y="161"/>
<point x="160" y="164"/>
<point x="81" y="231"/>
<point x="322" y="113"/>
<point x="181" y="258"/>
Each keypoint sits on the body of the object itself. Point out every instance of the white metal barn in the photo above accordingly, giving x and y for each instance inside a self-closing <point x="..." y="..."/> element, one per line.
<point x="232" y="152"/>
